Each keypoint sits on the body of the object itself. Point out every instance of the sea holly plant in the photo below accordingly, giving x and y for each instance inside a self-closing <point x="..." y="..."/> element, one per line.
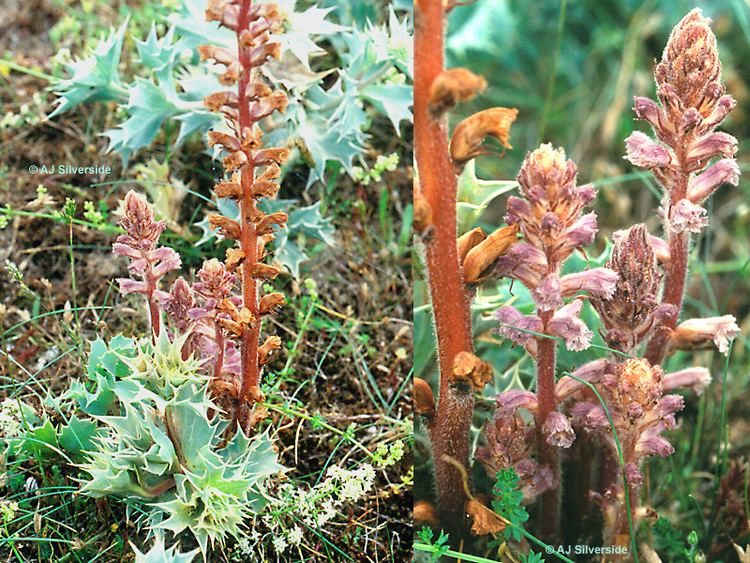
<point x="610" y="413"/>
<point x="168" y="86"/>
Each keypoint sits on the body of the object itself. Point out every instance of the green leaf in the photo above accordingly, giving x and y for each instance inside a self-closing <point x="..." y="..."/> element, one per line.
<point x="149" y="106"/>
<point x="300" y="25"/>
<point x="392" y="99"/>
<point x="160" y="553"/>
<point x="78" y="436"/>
<point x="95" y="78"/>
<point x="474" y="195"/>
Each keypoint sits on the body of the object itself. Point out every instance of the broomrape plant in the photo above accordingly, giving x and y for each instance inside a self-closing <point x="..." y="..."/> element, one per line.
<point x="613" y="411"/>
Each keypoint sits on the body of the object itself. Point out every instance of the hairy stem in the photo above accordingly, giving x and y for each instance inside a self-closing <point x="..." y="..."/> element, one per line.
<point x="450" y="302"/>
<point x="676" y="272"/>
<point x="549" y="506"/>
<point x="248" y="235"/>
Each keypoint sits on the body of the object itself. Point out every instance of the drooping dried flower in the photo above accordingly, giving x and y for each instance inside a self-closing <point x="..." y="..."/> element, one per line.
<point x="453" y="86"/>
<point x="468" y="136"/>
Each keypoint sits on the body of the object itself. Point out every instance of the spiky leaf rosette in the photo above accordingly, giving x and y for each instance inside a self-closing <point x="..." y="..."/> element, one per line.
<point x="163" y="449"/>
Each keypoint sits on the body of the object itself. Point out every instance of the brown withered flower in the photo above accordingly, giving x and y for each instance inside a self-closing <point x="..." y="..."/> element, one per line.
<point x="255" y="169"/>
<point x="453" y="86"/>
<point x="469" y="135"/>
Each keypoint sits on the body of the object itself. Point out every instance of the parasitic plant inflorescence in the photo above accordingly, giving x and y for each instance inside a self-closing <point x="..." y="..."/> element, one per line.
<point x="254" y="170"/>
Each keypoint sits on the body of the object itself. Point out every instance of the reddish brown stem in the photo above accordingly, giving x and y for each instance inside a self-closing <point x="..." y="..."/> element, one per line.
<point x="676" y="274"/>
<point x="248" y="235"/>
<point x="549" y="505"/>
<point x="450" y="303"/>
<point x="153" y="307"/>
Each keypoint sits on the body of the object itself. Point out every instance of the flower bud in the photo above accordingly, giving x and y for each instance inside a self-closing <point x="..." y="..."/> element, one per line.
<point x="628" y="314"/>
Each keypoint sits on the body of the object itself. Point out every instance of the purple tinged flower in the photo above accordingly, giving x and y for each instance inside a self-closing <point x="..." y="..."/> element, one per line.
<point x="515" y="399"/>
<point x="514" y="325"/>
<point x="557" y="430"/>
<point x="523" y="262"/>
<point x="647" y="110"/>
<point x="651" y="443"/>
<point x="687" y="216"/>
<point x="696" y="379"/>
<point x="645" y="152"/>
<point x="517" y="210"/>
<point x="216" y="282"/>
<point x="547" y="294"/>
<point x="694" y="333"/>
<point x="131" y="286"/>
<point x="591" y="372"/>
<point x="669" y="404"/>
<point x="725" y="171"/>
<point x="582" y="232"/>
<point x="169" y="260"/>
<point x="713" y="144"/>
<point x="724" y="105"/>
<point x="589" y="415"/>
<point x="178" y="303"/>
<point x="566" y="324"/>
<point x="600" y="282"/>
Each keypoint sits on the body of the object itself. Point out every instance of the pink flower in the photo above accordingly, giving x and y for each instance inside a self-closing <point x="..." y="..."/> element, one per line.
<point x="216" y="282"/>
<point x="713" y="144"/>
<point x="131" y="286"/>
<point x="512" y="320"/>
<point x="523" y="262"/>
<point x="722" y="109"/>
<point x="600" y="282"/>
<point x="724" y="171"/>
<point x="566" y="324"/>
<point x="694" y="333"/>
<point x="651" y="443"/>
<point x="647" y="110"/>
<point x="686" y="216"/>
<point x="581" y="233"/>
<point x="547" y="294"/>
<point x="591" y="372"/>
<point x="178" y="303"/>
<point x="589" y="415"/>
<point x="516" y="399"/>
<point x="696" y="379"/>
<point x="643" y="151"/>
<point x="557" y="430"/>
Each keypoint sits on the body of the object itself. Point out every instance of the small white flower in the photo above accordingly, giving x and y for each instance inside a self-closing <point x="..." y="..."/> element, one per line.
<point x="295" y="535"/>
<point x="280" y="544"/>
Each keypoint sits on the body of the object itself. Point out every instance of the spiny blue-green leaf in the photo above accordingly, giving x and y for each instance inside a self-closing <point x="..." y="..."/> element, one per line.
<point x="78" y="435"/>
<point x="158" y="54"/>
<point x="95" y="78"/>
<point x="301" y="25"/>
<point x="392" y="99"/>
<point x="190" y="23"/>
<point x="160" y="553"/>
<point x="149" y="106"/>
